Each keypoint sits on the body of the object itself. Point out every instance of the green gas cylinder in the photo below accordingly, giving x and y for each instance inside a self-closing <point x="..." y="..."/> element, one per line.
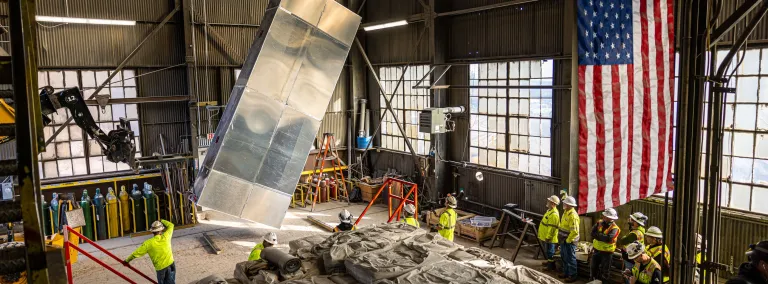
<point x="85" y="203"/>
<point x="125" y="209"/>
<point x="151" y="201"/>
<point x="99" y="208"/>
<point x="113" y="219"/>
<point x="139" y="213"/>
<point x="55" y="212"/>
<point x="47" y="225"/>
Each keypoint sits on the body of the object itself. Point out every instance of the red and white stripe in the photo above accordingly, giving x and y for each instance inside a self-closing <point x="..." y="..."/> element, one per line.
<point x="625" y="116"/>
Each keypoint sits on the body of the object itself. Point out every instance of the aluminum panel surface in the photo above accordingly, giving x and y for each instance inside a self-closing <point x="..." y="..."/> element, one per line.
<point x="315" y="83"/>
<point x="332" y="22"/>
<point x="307" y="10"/>
<point x="275" y="109"/>
<point x="270" y="206"/>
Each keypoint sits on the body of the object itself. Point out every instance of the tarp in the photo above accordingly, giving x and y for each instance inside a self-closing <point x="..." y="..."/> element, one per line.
<point x="399" y="258"/>
<point x="446" y="272"/>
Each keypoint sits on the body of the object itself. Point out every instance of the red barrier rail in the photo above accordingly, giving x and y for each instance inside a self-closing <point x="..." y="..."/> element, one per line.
<point x="67" y="245"/>
<point x="403" y="199"/>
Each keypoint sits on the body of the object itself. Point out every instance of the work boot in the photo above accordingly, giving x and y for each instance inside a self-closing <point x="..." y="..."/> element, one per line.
<point x="571" y="279"/>
<point x="562" y="276"/>
<point x="544" y="263"/>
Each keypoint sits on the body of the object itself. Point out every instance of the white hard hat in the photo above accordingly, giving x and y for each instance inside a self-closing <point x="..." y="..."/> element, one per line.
<point x="611" y="214"/>
<point x="634" y="250"/>
<point x="271" y="238"/>
<point x="157" y="226"/>
<point x="450" y="201"/>
<point x="554" y="199"/>
<point x="654" y="232"/>
<point x="410" y="209"/>
<point x="639" y="217"/>
<point x="345" y="216"/>
<point x="570" y="201"/>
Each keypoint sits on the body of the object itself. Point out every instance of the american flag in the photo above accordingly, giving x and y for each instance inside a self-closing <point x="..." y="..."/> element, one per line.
<point x="626" y="81"/>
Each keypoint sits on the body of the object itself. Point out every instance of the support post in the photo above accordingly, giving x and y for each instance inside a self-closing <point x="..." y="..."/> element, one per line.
<point x="438" y="51"/>
<point x="189" y="56"/>
<point x="29" y="133"/>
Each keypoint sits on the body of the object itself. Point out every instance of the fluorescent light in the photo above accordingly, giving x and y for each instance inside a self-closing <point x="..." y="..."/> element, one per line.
<point x="385" y="25"/>
<point x="83" y="21"/>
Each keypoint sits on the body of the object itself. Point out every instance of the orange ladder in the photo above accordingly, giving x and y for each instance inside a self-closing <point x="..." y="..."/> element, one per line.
<point x="327" y="153"/>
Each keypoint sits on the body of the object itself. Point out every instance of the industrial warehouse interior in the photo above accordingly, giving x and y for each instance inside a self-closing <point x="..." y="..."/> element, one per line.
<point x="384" y="141"/>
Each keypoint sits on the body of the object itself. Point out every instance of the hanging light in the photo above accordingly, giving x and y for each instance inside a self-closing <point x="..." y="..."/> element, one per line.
<point x="385" y="25"/>
<point x="84" y="21"/>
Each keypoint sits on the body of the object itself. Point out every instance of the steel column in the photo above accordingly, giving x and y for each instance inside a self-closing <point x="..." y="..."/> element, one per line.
<point x="29" y="134"/>
<point x="192" y="90"/>
<point x="693" y="17"/>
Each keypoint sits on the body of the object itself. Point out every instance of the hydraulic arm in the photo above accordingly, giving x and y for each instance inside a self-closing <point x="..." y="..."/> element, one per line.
<point x="117" y="145"/>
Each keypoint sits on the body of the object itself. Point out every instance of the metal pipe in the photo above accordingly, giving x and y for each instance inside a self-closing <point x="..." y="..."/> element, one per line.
<point x="485" y="8"/>
<point x="119" y="68"/>
<point x="361" y="130"/>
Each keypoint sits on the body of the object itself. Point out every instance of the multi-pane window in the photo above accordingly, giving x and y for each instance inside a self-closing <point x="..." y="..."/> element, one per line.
<point x="511" y="127"/>
<point x="744" y="165"/>
<point x="72" y="152"/>
<point x="407" y="103"/>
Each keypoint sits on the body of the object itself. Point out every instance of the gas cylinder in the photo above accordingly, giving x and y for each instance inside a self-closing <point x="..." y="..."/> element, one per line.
<point x="112" y="218"/>
<point x="47" y="225"/>
<point x="99" y="207"/>
<point x="139" y="214"/>
<point x="85" y="203"/>
<point x="151" y="201"/>
<point x="125" y="209"/>
<point x="55" y="212"/>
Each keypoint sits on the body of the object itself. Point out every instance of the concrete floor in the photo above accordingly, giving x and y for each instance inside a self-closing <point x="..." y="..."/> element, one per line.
<point x="195" y="260"/>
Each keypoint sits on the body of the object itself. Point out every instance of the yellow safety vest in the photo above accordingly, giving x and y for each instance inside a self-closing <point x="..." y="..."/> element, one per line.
<point x="549" y="225"/>
<point x="447" y="223"/>
<point x="603" y="246"/>
<point x="569" y="225"/>
<point x="645" y="275"/>
<point x="640" y="233"/>
<point x="655" y="251"/>
<point x="256" y="252"/>
<point x="411" y="221"/>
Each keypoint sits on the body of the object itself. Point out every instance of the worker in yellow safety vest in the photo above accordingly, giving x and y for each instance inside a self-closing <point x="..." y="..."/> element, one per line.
<point x="270" y="239"/>
<point x="604" y="234"/>
<point x="646" y="270"/>
<point x="410" y="211"/>
<point x="655" y="247"/>
<point x="448" y="219"/>
<point x="345" y="222"/>
<point x="636" y="233"/>
<point x="548" y="231"/>
<point x="569" y="237"/>
<point x="160" y="252"/>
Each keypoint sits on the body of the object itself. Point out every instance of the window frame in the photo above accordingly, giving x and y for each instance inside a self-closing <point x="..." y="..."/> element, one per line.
<point x="402" y="103"/>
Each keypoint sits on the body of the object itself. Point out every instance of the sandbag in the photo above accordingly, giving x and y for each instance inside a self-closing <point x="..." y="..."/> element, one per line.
<point x="399" y="258"/>
<point x="445" y="272"/>
<point x="302" y="248"/>
<point x="524" y="275"/>
<point x="245" y="271"/>
<point x="213" y="279"/>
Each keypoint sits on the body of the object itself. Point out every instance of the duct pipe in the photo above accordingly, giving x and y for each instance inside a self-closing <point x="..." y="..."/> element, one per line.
<point x="362" y="130"/>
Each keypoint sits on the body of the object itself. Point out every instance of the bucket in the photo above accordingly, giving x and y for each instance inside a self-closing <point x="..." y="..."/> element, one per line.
<point x="364" y="142"/>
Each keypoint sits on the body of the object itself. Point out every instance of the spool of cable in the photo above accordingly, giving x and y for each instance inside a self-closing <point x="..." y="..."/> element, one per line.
<point x="285" y="262"/>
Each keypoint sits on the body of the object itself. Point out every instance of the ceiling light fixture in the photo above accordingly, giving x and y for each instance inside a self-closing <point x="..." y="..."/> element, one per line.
<point x="385" y="25"/>
<point x="84" y="21"/>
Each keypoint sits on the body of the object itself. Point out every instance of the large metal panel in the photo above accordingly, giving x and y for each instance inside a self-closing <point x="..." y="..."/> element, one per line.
<point x="275" y="109"/>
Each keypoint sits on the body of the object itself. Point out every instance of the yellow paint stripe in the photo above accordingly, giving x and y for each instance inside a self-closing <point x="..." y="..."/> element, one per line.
<point x="97" y="181"/>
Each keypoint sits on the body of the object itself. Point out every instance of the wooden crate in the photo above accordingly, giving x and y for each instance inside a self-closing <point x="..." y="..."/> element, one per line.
<point x="369" y="190"/>
<point x="434" y="219"/>
<point x="478" y="234"/>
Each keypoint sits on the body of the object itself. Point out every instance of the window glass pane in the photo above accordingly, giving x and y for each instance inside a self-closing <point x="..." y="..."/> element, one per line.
<point x="740" y="196"/>
<point x="742" y="170"/>
<point x="762" y="118"/>
<point x="759" y="196"/>
<point x="523" y="163"/>
<point x="513" y="161"/>
<point x="745" y="116"/>
<point x="743" y="144"/>
<point x="751" y="62"/>
<point x="761" y="172"/>
<point x="746" y="90"/>
<point x="761" y="149"/>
